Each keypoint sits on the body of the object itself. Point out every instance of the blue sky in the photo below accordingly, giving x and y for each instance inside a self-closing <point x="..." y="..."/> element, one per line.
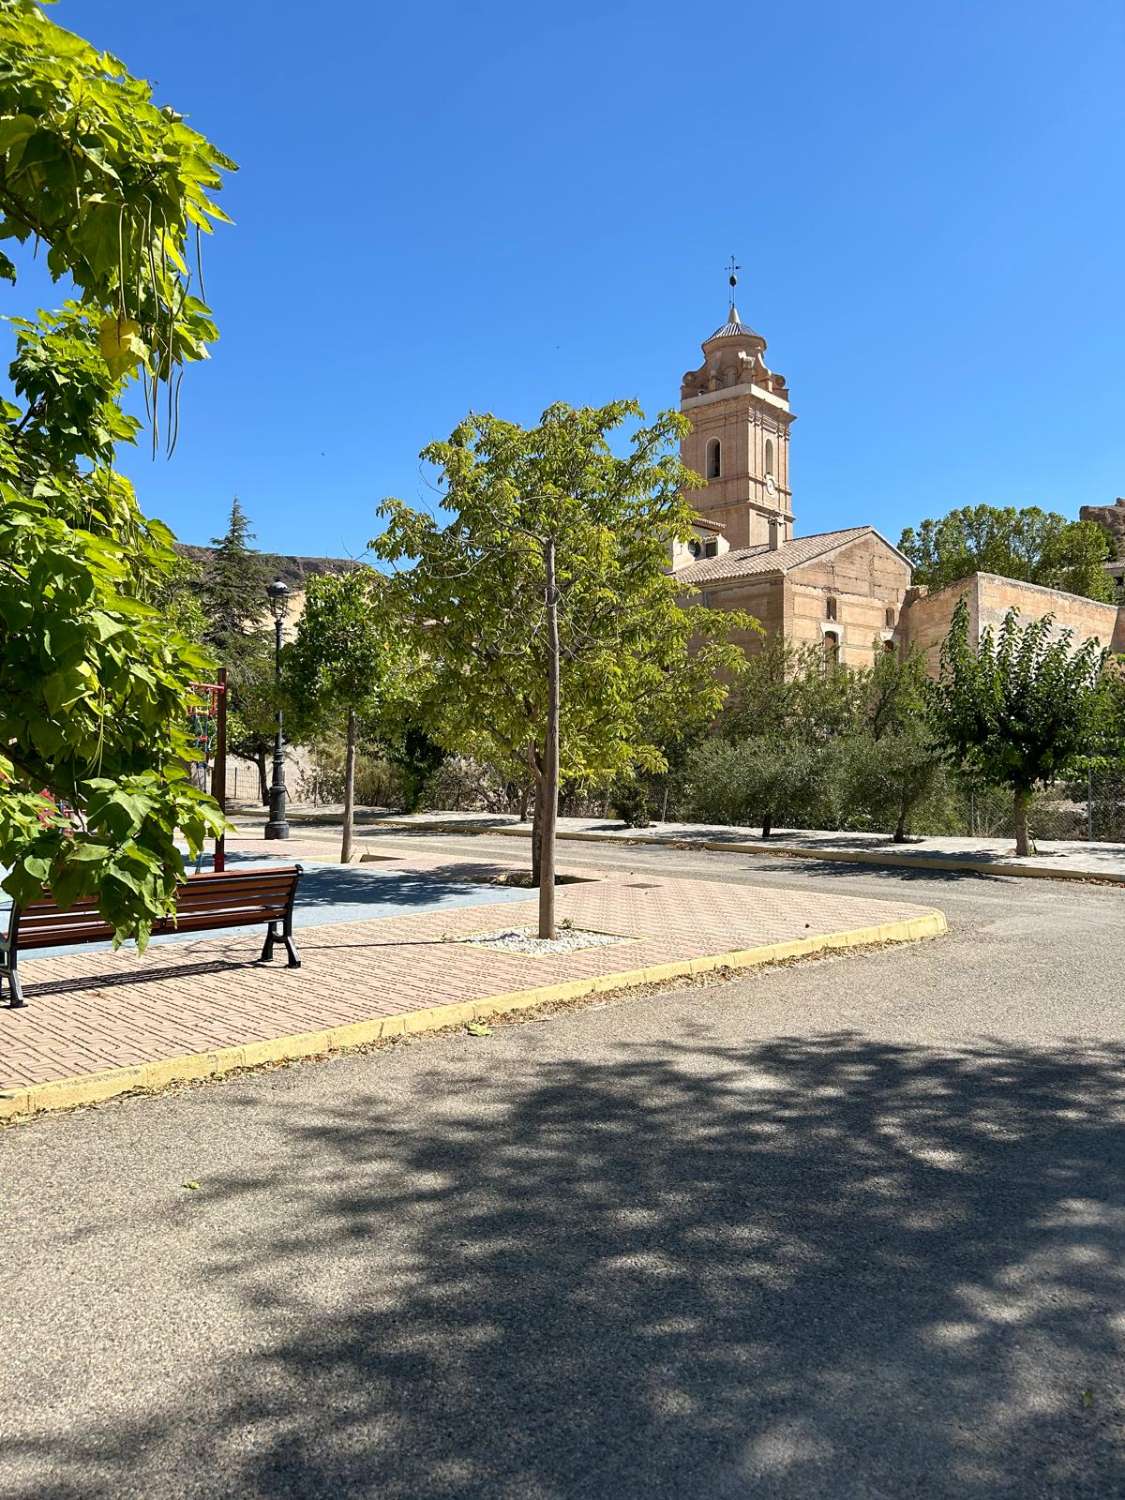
<point x="498" y="205"/>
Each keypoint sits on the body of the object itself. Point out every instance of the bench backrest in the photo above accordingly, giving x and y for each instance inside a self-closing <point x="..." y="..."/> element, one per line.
<point x="209" y="900"/>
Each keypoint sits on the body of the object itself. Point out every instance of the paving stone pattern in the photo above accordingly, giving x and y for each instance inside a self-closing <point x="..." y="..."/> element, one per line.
<point x="90" y="1011"/>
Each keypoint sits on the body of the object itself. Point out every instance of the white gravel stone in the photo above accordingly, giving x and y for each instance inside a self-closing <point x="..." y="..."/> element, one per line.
<point x="524" y="940"/>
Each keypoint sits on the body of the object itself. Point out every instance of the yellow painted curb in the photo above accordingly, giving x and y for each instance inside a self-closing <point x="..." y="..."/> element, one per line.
<point x="93" y="1088"/>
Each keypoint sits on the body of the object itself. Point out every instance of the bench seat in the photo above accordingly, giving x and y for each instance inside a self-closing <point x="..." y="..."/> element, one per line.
<point x="206" y="902"/>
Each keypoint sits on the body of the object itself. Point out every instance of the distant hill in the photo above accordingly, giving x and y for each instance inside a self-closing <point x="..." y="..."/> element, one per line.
<point x="294" y="570"/>
<point x="1111" y="518"/>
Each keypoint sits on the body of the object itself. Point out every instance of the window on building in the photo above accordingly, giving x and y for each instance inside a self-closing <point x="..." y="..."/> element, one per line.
<point x="890" y="619"/>
<point x="711" y="548"/>
<point x="714" y="459"/>
<point x="830" y="607"/>
<point x="769" y="455"/>
<point x="831" y="649"/>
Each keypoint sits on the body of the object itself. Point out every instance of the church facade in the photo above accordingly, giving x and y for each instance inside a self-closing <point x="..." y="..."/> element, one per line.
<point x="846" y="592"/>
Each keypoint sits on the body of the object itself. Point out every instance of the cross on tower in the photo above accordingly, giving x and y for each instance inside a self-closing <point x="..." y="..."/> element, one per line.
<point x="732" y="277"/>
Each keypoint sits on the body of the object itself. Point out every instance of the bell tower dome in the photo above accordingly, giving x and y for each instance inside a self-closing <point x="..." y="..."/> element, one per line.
<point x="739" y="442"/>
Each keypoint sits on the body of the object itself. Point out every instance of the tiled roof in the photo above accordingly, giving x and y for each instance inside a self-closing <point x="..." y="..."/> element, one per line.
<point x="747" y="560"/>
<point x="734" y="327"/>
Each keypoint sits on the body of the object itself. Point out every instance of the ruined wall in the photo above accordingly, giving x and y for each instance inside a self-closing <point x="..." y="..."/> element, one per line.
<point x="926" y="617"/>
<point x="1086" y="617"/>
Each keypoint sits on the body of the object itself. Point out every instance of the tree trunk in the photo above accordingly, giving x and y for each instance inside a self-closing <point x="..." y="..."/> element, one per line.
<point x="767" y="825"/>
<point x="263" y="783"/>
<point x="664" y="806"/>
<point x="525" y="797"/>
<point x="1024" y="843"/>
<point x="903" y="814"/>
<point x="349" y="792"/>
<point x="536" y="833"/>
<point x="549" y="812"/>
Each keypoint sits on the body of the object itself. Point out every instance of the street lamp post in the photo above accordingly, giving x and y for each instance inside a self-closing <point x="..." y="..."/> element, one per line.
<point x="278" y="826"/>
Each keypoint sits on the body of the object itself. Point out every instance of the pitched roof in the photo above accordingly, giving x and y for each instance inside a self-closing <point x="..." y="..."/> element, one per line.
<point x="747" y="560"/>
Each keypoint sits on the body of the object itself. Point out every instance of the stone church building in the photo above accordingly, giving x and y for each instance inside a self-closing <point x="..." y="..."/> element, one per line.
<point x="847" y="592"/>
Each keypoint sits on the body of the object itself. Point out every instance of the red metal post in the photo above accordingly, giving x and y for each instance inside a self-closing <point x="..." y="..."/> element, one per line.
<point x="219" y="776"/>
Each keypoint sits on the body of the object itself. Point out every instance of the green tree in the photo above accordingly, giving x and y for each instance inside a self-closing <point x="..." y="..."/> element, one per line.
<point x="789" y="707"/>
<point x="1020" y="708"/>
<point x="340" y="668"/>
<point x="234" y="583"/>
<point x="545" y="606"/>
<point x="888" y="765"/>
<point x="1033" y="545"/>
<point x="790" y="690"/>
<point x="768" y="779"/>
<point x="233" y="599"/>
<point x="95" y="683"/>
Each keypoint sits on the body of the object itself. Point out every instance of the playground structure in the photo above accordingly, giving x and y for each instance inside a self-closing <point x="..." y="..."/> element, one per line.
<point x="208" y="721"/>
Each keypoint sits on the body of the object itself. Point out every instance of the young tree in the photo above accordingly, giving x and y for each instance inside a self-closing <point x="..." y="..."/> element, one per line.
<point x="889" y="763"/>
<point x="788" y="709"/>
<point x="95" y="683"/>
<point x="1020" y="707"/>
<point x="340" y="667"/>
<point x="1033" y="545"/>
<point x="545" y="606"/>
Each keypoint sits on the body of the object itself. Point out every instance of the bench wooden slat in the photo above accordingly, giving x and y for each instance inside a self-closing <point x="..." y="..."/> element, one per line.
<point x="209" y="901"/>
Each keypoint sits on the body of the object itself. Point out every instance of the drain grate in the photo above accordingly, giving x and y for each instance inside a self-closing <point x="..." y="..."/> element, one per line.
<point x="642" y="885"/>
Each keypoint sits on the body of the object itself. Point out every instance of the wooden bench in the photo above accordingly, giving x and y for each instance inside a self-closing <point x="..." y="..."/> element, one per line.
<point x="207" y="902"/>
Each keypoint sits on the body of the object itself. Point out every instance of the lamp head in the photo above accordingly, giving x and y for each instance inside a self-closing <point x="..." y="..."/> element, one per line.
<point x="278" y="594"/>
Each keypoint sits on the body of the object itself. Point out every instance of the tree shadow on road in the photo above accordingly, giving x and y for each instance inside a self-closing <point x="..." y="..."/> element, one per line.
<point x="811" y="1267"/>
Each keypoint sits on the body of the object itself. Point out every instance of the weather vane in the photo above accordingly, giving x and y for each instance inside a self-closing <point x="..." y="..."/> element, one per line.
<point x="732" y="278"/>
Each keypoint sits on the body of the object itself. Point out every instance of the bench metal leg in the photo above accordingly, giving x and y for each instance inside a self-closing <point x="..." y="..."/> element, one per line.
<point x="16" y="1001"/>
<point x="285" y="937"/>
<point x="267" y="946"/>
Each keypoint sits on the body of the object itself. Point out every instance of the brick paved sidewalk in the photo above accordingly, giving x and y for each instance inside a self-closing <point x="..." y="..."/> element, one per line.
<point x="88" y="1012"/>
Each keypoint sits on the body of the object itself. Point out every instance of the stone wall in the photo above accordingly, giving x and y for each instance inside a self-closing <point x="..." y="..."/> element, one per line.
<point x="926" y="617"/>
<point x="1086" y="617"/>
<point x="868" y="583"/>
<point x="762" y="597"/>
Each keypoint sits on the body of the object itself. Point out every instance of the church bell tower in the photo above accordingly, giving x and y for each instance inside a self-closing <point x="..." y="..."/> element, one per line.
<point x="739" y="442"/>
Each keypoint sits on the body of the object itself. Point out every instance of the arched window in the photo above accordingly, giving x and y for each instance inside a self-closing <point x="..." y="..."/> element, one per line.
<point x="831" y="649"/>
<point x="769" y="455"/>
<point x="714" y="459"/>
<point x="830" y="607"/>
<point x="890" y="618"/>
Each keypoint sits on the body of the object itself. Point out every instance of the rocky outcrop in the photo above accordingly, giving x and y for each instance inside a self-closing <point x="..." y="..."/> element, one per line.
<point x="1111" y="518"/>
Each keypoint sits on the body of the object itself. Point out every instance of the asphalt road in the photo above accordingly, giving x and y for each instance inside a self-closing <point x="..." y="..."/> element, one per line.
<point x="850" y="1228"/>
